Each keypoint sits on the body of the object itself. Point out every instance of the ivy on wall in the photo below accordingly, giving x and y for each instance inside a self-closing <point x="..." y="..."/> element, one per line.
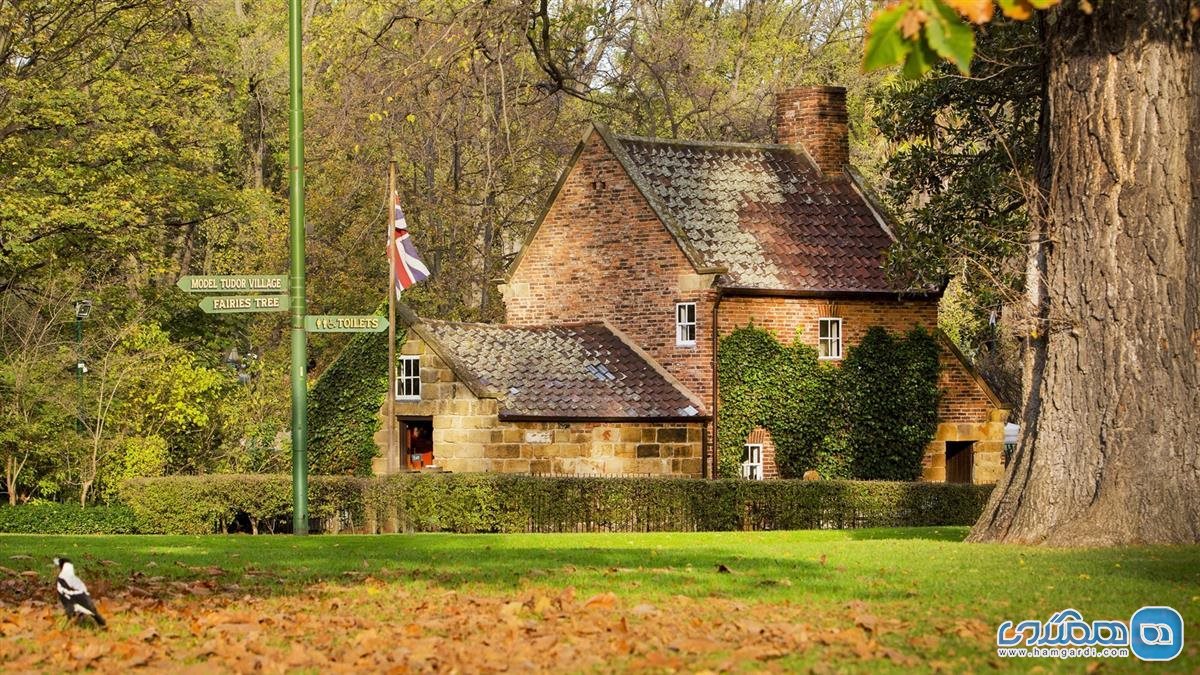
<point x="869" y="418"/>
<point x="343" y="407"/>
<point x="891" y="398"/>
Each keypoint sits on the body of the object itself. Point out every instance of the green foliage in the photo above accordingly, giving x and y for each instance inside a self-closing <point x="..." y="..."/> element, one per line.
<point x="217" y="503"/>
<point x="917" y="33"/>
<point x="784" y="389"/>
<point x="343" y="407"/>
<point x="869" y="418"/>
<point x="513" y="503"/>
<point x="54" y="518"/>
<point x="891" y="399"/>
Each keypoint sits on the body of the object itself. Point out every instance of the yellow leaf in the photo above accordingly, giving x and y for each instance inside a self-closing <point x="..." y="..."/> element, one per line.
<point x="976" y="11"/>
<point x="911" y="24"/>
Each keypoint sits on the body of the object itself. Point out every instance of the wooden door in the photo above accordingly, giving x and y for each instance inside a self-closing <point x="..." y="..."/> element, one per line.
<point x="959" y="461"/>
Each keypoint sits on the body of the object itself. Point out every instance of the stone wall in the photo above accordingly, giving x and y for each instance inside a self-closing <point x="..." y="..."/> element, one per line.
<point x="987" y="449"/>
<point x="468" y="435"/>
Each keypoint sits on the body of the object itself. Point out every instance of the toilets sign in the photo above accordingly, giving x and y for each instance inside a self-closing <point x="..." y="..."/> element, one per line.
<point x="322" y="323"/>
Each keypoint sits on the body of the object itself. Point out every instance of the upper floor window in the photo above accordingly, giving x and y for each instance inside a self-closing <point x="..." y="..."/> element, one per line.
<point x="408" y="378"/>
<point x="752" y="465"/>
<point x="685" y="324"/>
<point x="829" y="338"/>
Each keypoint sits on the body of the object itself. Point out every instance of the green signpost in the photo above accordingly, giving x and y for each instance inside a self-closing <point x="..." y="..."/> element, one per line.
<point x="287" y="292"/>
<point x="345" y="324"/>
<point x="231" y="304"/>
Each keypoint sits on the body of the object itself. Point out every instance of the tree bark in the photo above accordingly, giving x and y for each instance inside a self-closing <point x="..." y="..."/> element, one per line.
<point x="1113" y="457"/>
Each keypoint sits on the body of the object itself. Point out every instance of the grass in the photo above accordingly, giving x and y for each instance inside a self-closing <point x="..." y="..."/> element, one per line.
<point x="924" y="578"/>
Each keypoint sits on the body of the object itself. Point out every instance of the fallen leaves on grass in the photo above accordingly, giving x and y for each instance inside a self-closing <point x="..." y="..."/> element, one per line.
<point x="386" y="625"/>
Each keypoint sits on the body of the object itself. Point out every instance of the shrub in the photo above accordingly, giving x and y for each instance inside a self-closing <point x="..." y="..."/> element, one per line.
<point x="224" y="503"/>
<point x="514" y="503"/>
<point x="53" y="518"/>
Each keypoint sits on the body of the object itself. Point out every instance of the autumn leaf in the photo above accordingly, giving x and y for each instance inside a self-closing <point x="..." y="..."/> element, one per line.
<point x="976" y="11"/>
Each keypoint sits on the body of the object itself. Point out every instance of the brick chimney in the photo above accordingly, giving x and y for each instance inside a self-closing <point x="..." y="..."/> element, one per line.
<point x="815" y="117"/>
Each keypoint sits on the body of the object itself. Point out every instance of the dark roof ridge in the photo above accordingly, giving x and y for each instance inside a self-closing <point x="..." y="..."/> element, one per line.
<point x="516" y="326"/>
<point x="714" y="144"/>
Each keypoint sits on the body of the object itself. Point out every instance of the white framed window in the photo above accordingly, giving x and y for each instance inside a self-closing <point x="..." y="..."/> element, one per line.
<point x="408" y="378"/>
<point x="829" y="338"/>
<point x="752" y="465"/>
<point x="685" y="324"/>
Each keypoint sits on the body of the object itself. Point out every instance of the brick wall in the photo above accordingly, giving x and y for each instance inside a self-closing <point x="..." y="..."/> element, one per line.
<point x="965" y="412"/>
<point x="602" y="253"/>
<point x="784" y="316"/>
<point x="468" y="435"/>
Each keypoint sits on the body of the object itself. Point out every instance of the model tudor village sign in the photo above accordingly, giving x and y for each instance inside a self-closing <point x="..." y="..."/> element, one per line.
<point x="273" y="299"/>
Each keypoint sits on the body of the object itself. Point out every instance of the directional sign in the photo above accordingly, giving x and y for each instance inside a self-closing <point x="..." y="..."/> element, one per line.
<point x="235" y="283"/>
<point x="230" y="304"/>
<point x="324" y="323"/>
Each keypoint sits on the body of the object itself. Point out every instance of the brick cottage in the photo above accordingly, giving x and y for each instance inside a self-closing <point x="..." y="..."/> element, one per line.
<point x="648" y="252"/>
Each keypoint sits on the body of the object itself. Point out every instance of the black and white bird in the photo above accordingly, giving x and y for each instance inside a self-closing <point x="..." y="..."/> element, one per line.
<point x="73" y="593"/>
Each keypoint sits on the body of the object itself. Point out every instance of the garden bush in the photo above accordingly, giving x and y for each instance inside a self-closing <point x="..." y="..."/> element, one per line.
<point x="54" y="518"/>
<point x="514" y="503"/>
<point x="225" y="503"/>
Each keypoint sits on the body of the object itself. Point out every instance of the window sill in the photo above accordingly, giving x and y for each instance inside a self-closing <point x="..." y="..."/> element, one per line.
<point x="686" y="344"/>
<point x="829" y="358"/>
<point x="408" y="399"/>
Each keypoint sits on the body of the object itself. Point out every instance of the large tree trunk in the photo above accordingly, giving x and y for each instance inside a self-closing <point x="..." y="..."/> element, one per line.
<point x="1114" y="454"/>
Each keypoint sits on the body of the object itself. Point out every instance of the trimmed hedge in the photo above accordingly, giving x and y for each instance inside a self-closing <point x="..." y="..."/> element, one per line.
<point x="232" y="502"/>
<point x="53" y="518"/>
<point x="516" y="503"/>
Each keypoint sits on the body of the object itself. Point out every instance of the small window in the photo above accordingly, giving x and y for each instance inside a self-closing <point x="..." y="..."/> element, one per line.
<point x="752" y="466"/>
<point x="685" y="324"/>
<point x="829" y="343"/>
<point x="408" y="378"/>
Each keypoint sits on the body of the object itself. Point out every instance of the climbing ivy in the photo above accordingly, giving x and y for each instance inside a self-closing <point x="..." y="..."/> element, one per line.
<point x="891" y="399"/>
<point x="869" y="418"/>
<point x="343" y="407"/>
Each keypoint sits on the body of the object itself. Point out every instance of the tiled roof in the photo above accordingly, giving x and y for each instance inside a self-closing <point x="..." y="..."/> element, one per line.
<point x="763" y="213"/>
<point x="582" y="370"/>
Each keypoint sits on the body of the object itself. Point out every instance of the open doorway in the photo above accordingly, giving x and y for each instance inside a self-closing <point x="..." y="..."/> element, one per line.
<point x="960" y="460"/>
<point x="416" y="442"/>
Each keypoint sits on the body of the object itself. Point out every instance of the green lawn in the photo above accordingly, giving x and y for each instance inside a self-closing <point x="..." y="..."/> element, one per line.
<point x="924" y="578"/>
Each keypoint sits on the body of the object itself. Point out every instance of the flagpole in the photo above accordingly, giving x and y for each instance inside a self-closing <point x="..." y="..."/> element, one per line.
<point x="394" y="461"/>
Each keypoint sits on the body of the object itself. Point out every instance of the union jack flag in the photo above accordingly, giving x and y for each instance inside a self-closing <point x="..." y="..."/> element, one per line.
<point x="403" y="255"/>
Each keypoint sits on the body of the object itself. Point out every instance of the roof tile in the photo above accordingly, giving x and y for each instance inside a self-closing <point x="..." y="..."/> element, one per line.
<point x="765" y="214"/>
<point x="581" y="370"/>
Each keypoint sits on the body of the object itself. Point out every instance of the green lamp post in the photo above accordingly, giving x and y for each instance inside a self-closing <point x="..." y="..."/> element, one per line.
<point x="296" y="273"/>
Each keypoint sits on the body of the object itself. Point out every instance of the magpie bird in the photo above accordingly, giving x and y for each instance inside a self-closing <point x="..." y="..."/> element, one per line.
<point x="73" y="594"/>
